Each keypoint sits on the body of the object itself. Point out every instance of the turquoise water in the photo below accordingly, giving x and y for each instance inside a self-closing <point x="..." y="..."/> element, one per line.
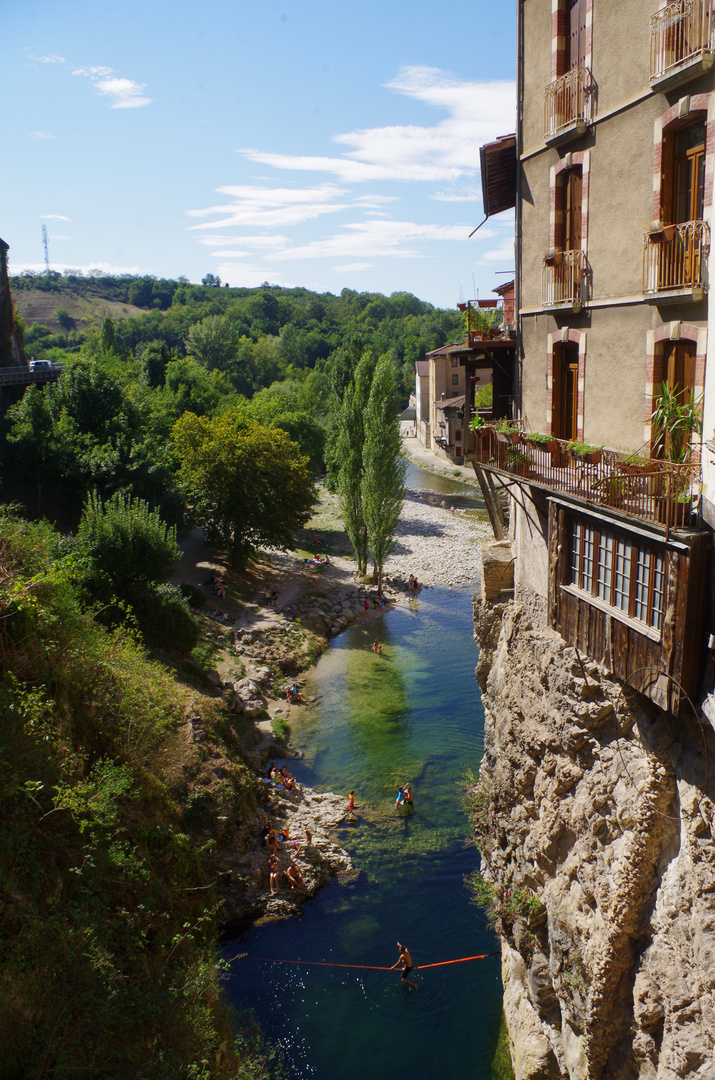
<point x="413" y="714"/>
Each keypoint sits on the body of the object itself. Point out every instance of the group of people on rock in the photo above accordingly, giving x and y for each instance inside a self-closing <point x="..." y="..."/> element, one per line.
<point x="294" y="696"/>
<point x="272" y="841"/>
<point x="282" y="778"/>
<point x="319" y="560"/>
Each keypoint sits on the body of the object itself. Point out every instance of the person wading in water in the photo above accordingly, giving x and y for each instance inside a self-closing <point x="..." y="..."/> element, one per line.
<point x="406" y="960"/>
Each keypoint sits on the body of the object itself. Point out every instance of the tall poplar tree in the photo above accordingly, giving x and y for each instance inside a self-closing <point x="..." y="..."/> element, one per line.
<point x="383" y="477"/>
<point x="348" y="455"/>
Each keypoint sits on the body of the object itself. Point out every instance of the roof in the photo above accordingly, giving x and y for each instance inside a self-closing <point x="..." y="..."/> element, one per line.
<point x="448" y="350"/>
<point x="451" y="403"/>
<point x="498" y="167"/>
<point x="507" y="287"/>
<point x="422" y="368"/>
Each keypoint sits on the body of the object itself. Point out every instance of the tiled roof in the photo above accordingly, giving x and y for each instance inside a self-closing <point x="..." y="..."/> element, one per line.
<point x="451" y="403"/>
<point x="422" y="368"/>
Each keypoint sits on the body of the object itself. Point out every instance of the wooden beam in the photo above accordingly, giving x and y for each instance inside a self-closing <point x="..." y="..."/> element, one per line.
<point x="491" y="501"/>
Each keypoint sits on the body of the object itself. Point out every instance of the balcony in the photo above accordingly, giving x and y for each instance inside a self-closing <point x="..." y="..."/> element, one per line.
<point x="681" y="42"/>
<point x="564" y="280"/>
<point x="675" y="263"/>
<point x="659" y="493"/>
<point x="567" y="106"/>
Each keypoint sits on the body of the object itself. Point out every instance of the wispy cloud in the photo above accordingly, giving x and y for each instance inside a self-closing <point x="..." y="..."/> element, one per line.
<point x="254" y="206"/>
<point x="373" y="239"/>
<point x="125" y="93"/>
<point x="477" y="112"/>
<point x="72" y="268"/>
<point x="248" y="275"/>
<point x="349" y="268"/>
<point x="41" y="135"/>
<point x="470" y="194"/>
<point x="55" y="217"/>
<point x="55" y="59"/>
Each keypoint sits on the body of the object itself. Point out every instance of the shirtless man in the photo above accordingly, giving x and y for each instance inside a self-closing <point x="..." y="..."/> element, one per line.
<point x="406" y="960"/>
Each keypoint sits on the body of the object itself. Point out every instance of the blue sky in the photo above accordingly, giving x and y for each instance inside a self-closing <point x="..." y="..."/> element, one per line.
<point x="300" y="142"/>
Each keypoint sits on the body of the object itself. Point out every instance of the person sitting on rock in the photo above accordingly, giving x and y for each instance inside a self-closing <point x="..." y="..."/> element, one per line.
<point x="308" y="836"/>
<point x="288" y="779"/>
<point x="271" y="841"/>
<point x="295" y="877"/>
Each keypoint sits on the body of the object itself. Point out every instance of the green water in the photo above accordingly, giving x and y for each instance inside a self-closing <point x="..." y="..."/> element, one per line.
<point x="413" y="714"/>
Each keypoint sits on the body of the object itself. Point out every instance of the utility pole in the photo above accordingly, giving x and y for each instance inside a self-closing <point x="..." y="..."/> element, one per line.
<point x="45" y="242"/>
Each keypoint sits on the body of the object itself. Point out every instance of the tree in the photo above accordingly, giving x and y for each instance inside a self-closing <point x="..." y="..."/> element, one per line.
<point x="107" y="336"/>
<point x="249" y="485"/>
<point x="155" y="358"/>
<point x="212" y="280"/>
<point x="348" y="456"/>
<point x="383" y="479"/>
<point x="213" y="342"/>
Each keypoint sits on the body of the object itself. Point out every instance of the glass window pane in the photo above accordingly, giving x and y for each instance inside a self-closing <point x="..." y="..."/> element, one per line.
<point x="642" y="582"/>
<point x="576" y="553"/>
<point x="656" y="619"/>
<point x="587" y="579"/>
<point x="623" y="574"/>
<point x="605" y="567"/>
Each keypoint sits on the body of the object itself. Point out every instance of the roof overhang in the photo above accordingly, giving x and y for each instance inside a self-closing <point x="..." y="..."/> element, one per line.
<point x="498" y="168"/>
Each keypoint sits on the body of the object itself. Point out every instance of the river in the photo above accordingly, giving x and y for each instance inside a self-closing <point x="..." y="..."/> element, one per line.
<point x="413" y="714"/>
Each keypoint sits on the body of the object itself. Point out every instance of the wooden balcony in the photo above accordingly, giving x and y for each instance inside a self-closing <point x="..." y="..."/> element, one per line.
<point x="567" y="105"/>
<point x="681" y="42"/>
<point x="659" y="493"/>
<point x="675" y="262"/>
<point x="563" y="280"/>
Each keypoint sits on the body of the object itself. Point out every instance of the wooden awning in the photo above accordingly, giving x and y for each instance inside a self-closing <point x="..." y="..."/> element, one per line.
<point x="498" y="166"/>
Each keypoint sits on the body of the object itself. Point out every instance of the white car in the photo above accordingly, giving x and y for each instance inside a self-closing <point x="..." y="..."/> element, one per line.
<point x="40" y="365"/>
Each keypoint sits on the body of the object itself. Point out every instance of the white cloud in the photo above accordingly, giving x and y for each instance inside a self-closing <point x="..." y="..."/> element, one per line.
<point x="276" y="241"/>
<point x="248" y="276"/>
<point x="466" y="195"/>
<point x="41" y="135"/>
<point x="478" y="112"/>
<point x="49" y="59"/>
<point x="231" y="254"/>
<point x="72" y="268"/>
<point x="350" y="267"/>
<point x="55" y="217"/>
<point x="270" y="207"/>
<point x="374" y="238"/>
<point x="505" y="253"/>
<point x="126" y="93"/>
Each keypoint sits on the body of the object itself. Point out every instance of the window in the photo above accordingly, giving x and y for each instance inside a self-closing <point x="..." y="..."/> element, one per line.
<point x="683" y="174"/>
<point x="622" y="574"/>
<point x="573" y="185"/>
<point x="455" y="361"/>
<point x="576" y="50"/>
<point x="565" y="391"/>
<point x="455" y="380"/>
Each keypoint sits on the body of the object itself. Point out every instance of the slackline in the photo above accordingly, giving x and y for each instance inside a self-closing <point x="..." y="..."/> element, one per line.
<point x="369" y="967"/>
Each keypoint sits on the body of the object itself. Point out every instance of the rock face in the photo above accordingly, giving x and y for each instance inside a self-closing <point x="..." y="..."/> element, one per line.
<point x="594" y="814"/>
<point x="242" y="863"/>
<point x="11" y="348"/>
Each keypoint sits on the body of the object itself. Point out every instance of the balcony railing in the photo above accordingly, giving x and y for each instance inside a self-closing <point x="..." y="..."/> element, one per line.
<point x="567" y="103"/>
<point x="680" y="34"/>
<point x="660" y="493"/>
<point x="563" y="279"/>
<point x="675" y="258"/>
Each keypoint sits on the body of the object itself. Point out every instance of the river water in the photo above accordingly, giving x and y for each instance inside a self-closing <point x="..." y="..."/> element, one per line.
<point x="414" y="715"/>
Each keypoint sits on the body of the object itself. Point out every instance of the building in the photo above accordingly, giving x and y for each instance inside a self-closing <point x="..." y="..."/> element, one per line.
<point x="422" y="411"/>
<point x="613" y="191"/>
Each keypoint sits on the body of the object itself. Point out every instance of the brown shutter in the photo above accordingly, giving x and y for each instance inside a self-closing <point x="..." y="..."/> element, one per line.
<point x="574" y="187"/>
<point x="556" y="396"/>
<point x="577" y="34"/>
<point x="667" y="170"/>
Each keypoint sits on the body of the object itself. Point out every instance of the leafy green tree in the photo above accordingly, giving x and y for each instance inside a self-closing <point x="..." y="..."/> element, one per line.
<point x="155" y="358"/>
<point x="107" y="336"/>
<point x="189" y="387"/>
<point x="131" y="552"/>
<point x="31" y="433"/>
<point x="348" y="454"/>
<point x="383" y="478"/>
<point x="248" y="485"/>
<point x="64" y="318"/>
<point x="213" y="342"/>
<point x="211" y="280"/>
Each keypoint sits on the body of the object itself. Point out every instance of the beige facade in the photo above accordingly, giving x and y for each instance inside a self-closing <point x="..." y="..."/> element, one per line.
<point x="446" y="381"/>
<point x="584" y="298"/>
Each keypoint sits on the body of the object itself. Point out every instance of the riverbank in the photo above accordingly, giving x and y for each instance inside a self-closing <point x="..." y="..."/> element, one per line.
<point x="252" y="651"/>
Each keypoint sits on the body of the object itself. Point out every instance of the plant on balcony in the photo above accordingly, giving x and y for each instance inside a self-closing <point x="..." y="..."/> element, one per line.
<point x="675" y="419"/>
<point x="612" y="489"/>
<point x="509" y="432"/>
<point x="547" y="441"/>
<point x="582" y="451"/>
<point x="635" y="463"/>
<point x="478" y="424"/>
<point x="518" y="462"/>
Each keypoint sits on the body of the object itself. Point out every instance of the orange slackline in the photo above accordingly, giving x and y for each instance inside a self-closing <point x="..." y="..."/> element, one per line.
<point x="369" y="967"/>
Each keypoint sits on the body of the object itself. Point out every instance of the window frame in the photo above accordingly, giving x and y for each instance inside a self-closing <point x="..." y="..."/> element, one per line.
<point x="647" y="580"/>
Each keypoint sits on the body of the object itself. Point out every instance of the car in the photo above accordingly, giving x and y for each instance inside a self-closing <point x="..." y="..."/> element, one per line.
<point x="40" y="365"/>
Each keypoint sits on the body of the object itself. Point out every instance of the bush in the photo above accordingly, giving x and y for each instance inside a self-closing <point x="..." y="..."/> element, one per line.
<point x="164" y="619"/>
<point x="281" y="729"/>
<point x="194" y="596"/>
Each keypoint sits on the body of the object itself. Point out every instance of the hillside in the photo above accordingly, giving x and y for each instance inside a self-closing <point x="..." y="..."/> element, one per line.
<point x="39" y="306"/>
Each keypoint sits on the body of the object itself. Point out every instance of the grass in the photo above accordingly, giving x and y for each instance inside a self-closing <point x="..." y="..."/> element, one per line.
<point x="281" y="729"/>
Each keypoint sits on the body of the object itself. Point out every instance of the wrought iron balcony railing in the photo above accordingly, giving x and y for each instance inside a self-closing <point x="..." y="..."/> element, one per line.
<point x="675" y="258"/>
<point x="658" y="492"/>
<point x="680" y="34"/>
<point x="563" y="279"/>
<point x="567" y="104"/>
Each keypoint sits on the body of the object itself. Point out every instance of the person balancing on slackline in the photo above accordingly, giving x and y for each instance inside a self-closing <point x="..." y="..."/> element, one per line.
<point x="406" y="960"/>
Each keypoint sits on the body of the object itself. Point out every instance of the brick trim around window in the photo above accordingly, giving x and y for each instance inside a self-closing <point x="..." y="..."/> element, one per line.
<point x="679" y="115"/>
<point x="557" y="201"/>
<point x="561" y="337"/>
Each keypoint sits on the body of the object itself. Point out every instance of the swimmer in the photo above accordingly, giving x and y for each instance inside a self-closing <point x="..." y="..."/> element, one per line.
<point x="351" y="802"/>
<point x="379" y="650"/>
<point x="408" y="794"/>
<point x="375" y="646"/>
<point x="273" y="872"/>
<point x="406" y="960"/>
<point x="399" y="801"/>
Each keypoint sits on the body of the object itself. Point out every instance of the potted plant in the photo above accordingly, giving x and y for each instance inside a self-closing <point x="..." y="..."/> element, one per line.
<point x="507" y="432"/>
<point x="547" y="441"/>
<point x="612" y="489"/>
<point x="635" y="464"/>
<point x="581" y="451"/>
<point x="676" y="417"/>
<point x="517" y="461"/>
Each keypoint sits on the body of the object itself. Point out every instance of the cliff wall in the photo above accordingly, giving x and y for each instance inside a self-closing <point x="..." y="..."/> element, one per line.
<point x="594" y="814"/>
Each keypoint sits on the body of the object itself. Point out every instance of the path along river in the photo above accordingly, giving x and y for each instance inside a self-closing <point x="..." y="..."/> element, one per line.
<point x="415" y="715"/>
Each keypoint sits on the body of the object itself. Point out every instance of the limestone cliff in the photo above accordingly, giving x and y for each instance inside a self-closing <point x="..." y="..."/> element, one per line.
<point x="594" y="815"/>
<point x="12" y="351"/>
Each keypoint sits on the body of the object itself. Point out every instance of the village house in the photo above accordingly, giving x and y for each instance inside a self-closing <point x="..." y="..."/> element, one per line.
<point x="612" y="483"/>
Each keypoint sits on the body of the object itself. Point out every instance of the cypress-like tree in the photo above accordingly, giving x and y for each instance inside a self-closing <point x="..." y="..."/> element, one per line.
<point x="383" y="479"/>
<point x="348" y="455"/>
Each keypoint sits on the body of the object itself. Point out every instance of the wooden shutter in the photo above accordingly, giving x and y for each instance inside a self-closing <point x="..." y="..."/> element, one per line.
<point x="667" y="197"/>
<point x="574" y="187"/>
<point x="556" y="394"/>
<point x="577" y="34"/>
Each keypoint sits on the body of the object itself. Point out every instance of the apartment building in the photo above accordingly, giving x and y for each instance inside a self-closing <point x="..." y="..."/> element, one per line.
<point x="615" y="149"/>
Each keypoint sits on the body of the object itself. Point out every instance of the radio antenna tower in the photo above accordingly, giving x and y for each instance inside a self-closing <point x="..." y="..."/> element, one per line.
<point x="45" y="242"/>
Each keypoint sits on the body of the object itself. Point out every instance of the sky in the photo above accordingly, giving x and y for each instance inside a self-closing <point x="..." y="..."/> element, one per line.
<point x="322" y="143"/>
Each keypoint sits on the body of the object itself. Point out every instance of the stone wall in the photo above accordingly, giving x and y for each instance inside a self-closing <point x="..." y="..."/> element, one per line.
<point x="595" y="827"/>
<point x="11" y="348"/>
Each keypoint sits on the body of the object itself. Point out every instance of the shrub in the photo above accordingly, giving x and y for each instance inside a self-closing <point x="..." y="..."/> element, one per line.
<point x="164" y="619"/>
<point x="193" y="595"/>
<point x="281" y="729"/>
